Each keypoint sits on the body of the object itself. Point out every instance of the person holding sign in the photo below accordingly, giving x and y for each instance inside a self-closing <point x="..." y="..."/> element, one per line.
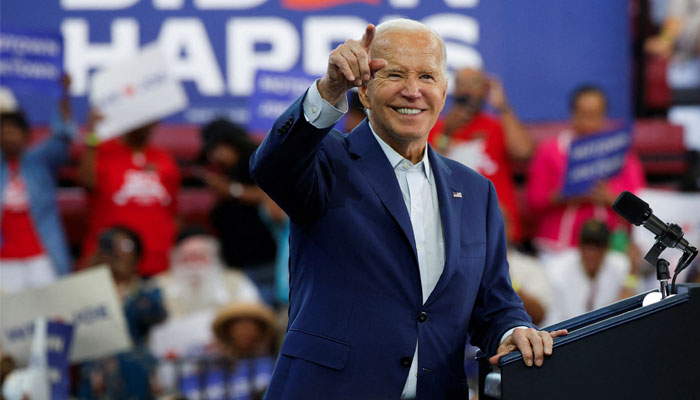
<point x="33" y="247"/>
<point x="398" y="255"/>
<point x="560" y="213"/>
<point x="131" y="184"/>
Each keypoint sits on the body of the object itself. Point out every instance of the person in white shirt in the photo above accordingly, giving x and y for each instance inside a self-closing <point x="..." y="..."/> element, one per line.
<point x="586" y="278"/>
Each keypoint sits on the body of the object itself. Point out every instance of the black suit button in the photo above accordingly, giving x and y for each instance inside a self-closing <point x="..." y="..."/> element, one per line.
<point x="406" y="362"/>
<point x="422" y="317"/>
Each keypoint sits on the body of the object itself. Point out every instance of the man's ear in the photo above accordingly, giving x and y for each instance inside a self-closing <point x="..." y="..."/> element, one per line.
<point x="364" y="99"/>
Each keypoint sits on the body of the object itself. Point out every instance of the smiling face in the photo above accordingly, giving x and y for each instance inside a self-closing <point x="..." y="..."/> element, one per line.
<point x="405" y="98"/>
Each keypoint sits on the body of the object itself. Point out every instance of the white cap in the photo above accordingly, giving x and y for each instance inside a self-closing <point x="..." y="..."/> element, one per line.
<point x="8" y="102"/>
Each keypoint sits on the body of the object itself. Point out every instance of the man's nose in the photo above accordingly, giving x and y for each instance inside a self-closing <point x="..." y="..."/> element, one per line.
<point x="411" y="88"/>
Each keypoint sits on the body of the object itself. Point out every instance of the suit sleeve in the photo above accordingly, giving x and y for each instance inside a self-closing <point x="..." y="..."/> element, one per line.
<point x="292" y="167"/>
<point x="497" y="308"/>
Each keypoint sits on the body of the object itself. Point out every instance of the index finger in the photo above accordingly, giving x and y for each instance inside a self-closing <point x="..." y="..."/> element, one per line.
<point x="561" y="332"/>
<point x="368" y="36"/>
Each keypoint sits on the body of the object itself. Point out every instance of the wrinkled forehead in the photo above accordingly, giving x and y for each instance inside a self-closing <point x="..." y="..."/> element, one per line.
<point x="420" y="46"/>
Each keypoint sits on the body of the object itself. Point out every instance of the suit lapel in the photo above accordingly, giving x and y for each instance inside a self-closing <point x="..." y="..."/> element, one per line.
<point x="377" y="170"/>
<point x="450" y="204"/>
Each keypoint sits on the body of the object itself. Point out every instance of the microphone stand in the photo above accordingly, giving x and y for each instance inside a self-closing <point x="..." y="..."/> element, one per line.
<point x="669" y="238"/>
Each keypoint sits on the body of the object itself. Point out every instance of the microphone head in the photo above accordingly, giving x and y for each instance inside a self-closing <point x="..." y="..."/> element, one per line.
<point x="632" y="208"/>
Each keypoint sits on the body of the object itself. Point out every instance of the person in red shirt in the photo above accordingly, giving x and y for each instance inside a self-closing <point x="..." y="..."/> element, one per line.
<point x="485" y="142"/>
<point x="33" y="248"/>
<point x="132" y="184"/>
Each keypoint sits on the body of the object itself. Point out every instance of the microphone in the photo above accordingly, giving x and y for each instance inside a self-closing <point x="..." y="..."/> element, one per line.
<point x="638" y="212"/>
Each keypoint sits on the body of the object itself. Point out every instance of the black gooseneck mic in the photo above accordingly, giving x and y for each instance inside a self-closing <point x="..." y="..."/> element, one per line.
<point x="638" y="212"/>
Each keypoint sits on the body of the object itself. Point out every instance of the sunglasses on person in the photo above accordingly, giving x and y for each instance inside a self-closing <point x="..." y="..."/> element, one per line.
<point x="467" y="100"/>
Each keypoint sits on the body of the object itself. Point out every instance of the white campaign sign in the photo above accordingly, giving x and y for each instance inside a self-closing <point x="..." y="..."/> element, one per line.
<point x="184" y="336"/>
<point x="87" y="299"/>
<point x="135" y="92"/>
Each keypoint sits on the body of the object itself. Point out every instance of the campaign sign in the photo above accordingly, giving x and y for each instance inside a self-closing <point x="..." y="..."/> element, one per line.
<point x="184" y="336"/>
<point x="274" y="93"/>
<point x="594" y="158"/>
<point x="58" y="342"/>
<point x="87" y="300"/>
<point x="50" y="347"/>
<point x="47" y="376"/>
<point x="31" y="62"/>
<point x="135" y="92"/>
<point x="250" y="376"/>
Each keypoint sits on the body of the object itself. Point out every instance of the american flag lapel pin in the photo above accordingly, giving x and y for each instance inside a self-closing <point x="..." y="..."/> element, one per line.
<point x="457" y="195"/>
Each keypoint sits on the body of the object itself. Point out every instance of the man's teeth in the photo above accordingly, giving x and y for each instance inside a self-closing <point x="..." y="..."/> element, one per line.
<point x="408" y="110"/>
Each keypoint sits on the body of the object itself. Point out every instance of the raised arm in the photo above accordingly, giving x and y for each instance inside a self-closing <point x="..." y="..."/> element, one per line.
<point x="291" y="165"/>
<point x="55" y="150"/>
<point x="519" y="144"/>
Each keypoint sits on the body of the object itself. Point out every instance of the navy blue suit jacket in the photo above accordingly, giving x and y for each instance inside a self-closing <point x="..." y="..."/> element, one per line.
<point x="355" y="291"/>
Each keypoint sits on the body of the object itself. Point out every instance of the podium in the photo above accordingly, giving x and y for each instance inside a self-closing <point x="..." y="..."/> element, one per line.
<point x="622" y="351"/>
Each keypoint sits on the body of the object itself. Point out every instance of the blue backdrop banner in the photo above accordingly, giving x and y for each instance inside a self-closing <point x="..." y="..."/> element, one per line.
<point x="541" y="49"/>
<point x="31" y="62"/>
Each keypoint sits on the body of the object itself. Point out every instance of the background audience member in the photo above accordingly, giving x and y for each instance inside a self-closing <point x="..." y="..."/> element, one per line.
<point x="246" y="333"/>
<point x="242" y="365"/>
<point x="530" y="282"/>
<point x="125" y="375"/>
<point x="586" y="278"/>
<point x="559" y="218"/>
<point x="678" y="42"/>
<point x="198" y="280"/>
<point x="482" y="141"/>
<point x="245" y="240"/>
<point x="33" y="248"/>
<point x="278" y="224"/>
<point x="134" y="184"/>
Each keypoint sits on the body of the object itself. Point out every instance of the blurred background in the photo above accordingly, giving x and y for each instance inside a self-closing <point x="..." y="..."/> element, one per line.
<point x="133" y="161"/>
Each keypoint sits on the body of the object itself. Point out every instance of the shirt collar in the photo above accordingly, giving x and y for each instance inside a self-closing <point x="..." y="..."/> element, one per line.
<point x="395" y="158"/>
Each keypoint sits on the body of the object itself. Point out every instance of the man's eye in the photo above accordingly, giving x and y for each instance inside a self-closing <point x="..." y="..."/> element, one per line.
<point x="426" y="76"/>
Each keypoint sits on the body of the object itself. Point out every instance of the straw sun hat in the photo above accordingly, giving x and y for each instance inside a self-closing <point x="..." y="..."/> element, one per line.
<point x="256" y="311"/>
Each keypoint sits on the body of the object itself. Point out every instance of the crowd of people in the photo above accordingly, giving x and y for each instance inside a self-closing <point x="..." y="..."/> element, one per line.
<point x="229" y="280"/>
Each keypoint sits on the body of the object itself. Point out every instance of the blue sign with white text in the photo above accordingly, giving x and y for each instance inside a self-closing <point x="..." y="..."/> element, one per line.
<point x="59" y="337"/>
<point x="274" y="93"/>
<point x="31" y="62"/>
<point x="540" y="49"/>
<point x="595" y="158"/>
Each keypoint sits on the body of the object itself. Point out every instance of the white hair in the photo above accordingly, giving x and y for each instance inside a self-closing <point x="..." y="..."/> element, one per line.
<point x="410" y="25"/>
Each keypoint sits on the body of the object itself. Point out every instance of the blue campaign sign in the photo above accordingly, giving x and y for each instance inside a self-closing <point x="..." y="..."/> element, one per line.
<point x="594" y="158"/>
<point x="31" y="62"/>
<point x="541" y="49"/>
<point x="274" y="92"/>
<point x="59" y="337"/>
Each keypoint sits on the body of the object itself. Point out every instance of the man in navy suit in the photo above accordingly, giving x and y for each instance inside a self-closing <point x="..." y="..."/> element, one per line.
<point x="397" y="255"/>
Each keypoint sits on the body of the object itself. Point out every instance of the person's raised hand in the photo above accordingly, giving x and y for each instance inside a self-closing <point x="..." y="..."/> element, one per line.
<point x="497" y="95"/>
<point x="533" y="345"/>
<point x="349" y="65"/>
